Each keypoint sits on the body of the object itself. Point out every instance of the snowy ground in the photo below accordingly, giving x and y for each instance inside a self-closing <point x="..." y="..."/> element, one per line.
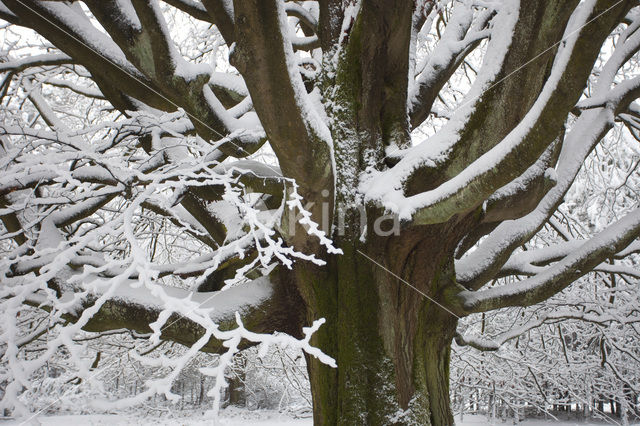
<point x="239" y="418"/>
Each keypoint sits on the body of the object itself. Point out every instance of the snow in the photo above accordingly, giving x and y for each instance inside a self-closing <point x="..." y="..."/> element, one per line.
<point x="607" y="239"/>
<point x="311" y="116"/>
<point x="223" y="303"/>
<point x="235" y="417"/>
<point x="386" y="186"/>
<point x="231" y="82"/>
<point x="89" y="35"/>
<point x="473" y="420"/>
<point x="160" y="183"/>
<point x="444" y="52"/>
<point x="23" y="62"/>
<point x="584" y="135"/>
<point x="495" y="156"/>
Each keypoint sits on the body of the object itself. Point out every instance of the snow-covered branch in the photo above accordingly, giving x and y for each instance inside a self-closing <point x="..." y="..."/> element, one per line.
<point x="133" y="307"/>
<point x="191" y="7"/>
<point x="592" y="125"/>
<point x="463" y="33"/>
<point x="49" y="59"/>
<point x="532" y="262"/>
<point x="555" y="278"/>
<point x="528" y="140"/>
<point x="494" y="343"/>
<point x="265" y="58"/>
<point x="223" y="16"/>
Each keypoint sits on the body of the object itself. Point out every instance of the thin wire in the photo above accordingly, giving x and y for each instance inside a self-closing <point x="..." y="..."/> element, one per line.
<point x="241" y="148"/>
<point x="409" y="284"/>
<point x="502" y="80"/>
<point x="130" y="74"/>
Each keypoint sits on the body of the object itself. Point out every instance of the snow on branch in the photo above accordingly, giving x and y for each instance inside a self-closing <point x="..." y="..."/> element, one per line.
<point x="462" y="34"/>
<point x="532" y="262"/>
<point x="266" y="59"/>
<point x="49" y="59"/>
<point x="89" y="92"/>
<point x="191" y="7"/>
<point x="555" y="278"/>
<point x="124" y="288"/>
<point x="484" y="343"/>
<point x="207" y="322"/>
<point x="387" y="187"/>
<point x="468" y="189"/>
<point x="482" y="265"/>
<point x="118" y="224"/>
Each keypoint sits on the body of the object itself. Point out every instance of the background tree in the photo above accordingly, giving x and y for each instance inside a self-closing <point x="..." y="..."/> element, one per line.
<point x="132" y="207"/>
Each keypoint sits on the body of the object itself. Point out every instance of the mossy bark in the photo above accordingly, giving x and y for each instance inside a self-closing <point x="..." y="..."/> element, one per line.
<point x="391" y="344"/>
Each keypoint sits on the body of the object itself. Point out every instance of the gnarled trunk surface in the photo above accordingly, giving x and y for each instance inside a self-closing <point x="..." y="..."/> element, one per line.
<point x="391" y="342"/>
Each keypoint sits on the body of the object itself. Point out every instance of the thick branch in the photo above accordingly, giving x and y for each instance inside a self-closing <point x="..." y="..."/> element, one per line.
<point x="449" y="53"/>
<point x="555" y="278"/>
<point x="142" y="31"/>
<point x="481" y="266"/>
<point x="504" y="91"/>
<point x="592" y="125"/>
<point x="530" y="138"/>
<point x="221" y="11"/>
<point x="76" y="36"/>
<point x="265" y="58"/>
<point x="264" y="307"/>
<point x="522" y="195"/>
<point x="381" y="39"/>
<point x="532" y="262"/>
<point x="193" y="8"/>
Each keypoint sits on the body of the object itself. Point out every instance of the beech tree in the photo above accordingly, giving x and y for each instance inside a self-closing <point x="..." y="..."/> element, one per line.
<point x="134" y="198"/>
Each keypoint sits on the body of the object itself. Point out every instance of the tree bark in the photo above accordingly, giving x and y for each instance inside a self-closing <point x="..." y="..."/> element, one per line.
<point x="391" y="342"/>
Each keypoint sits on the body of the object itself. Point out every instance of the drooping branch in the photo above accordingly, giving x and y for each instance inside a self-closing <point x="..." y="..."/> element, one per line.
<point x="558" y="276"/>
<point x="89" y="92"/>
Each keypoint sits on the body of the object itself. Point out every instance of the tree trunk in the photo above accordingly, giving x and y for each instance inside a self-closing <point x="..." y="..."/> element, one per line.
<point x="391" y="344"/>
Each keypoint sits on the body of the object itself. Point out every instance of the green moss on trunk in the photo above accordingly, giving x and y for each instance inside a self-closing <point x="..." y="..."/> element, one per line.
<point x="361" y="335"/>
